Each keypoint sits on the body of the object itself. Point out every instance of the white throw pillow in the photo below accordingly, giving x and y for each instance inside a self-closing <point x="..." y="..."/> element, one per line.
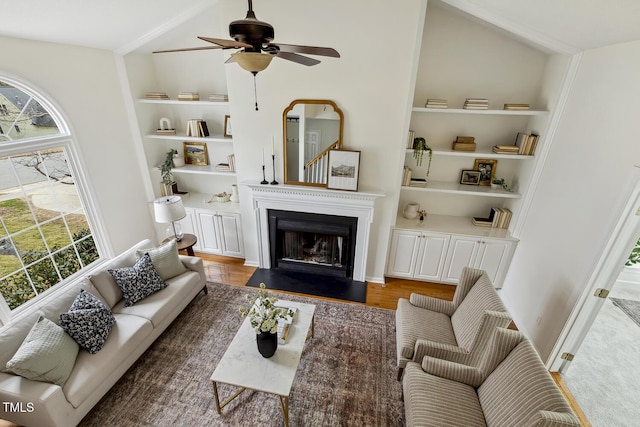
<point x="165" y="259"/>
<point x="47" y="354"/>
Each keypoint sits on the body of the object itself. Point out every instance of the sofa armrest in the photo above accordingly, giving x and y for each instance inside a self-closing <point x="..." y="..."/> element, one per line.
<point x="449" y="352"/>
<point x="194" y="264"/>
<point x="432" y="304"/>
<point x="33" y="403"/>
<point x="452" y="371"/>
<point x="554" y="419"/>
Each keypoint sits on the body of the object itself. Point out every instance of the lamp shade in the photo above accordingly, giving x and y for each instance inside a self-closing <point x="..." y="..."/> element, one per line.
<point x="253" y="61"/>
<point x="168" y="209"/>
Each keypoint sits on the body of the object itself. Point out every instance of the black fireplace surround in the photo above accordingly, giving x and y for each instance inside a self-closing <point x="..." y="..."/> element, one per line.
<point x="312" y="243"/>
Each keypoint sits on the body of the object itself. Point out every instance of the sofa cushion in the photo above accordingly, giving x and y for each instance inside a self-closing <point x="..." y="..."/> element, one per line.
<point x="156" y="307"/>
<point x="466" y="319"/>
<point x="522" y="384"/>
<point x="433" y="401"/>
<point x="414" y="323"/>
<point x="47" y="354"/>
<point x="165" y="259"/>
<point x="139" y="281"/>
<point x="88" y="322"/>
<point x="127" y="334"/>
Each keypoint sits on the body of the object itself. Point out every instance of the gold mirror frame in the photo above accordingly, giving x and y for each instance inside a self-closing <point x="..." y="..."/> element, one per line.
<point x="331" y="145"/>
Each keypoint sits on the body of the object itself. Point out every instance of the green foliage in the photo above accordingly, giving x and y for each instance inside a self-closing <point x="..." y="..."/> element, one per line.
<point x="419" y="147"/>
<point x="165" y="168"/>
<point x="262" y="311"/>
<point x="634" y="256"/>
<point x="16" y="288"/>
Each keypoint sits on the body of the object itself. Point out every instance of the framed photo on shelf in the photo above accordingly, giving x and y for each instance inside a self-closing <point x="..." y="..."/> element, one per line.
<point x="344" y="168"/>
<point x="195" y="153"/>
<point x="470" y="177"/>
<point x="487" y="169"/>
<point x="227" y="126"/>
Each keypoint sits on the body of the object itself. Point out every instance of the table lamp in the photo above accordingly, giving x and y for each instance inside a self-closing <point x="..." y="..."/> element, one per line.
<point x="169" y="209"/>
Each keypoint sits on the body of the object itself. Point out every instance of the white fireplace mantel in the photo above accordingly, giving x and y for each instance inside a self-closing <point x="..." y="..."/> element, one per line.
<point x="314" y="200"/>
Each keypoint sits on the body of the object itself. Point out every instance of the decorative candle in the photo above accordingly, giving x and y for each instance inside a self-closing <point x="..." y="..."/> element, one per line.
<point x="273" y="146"/>
<point x="263" y="155"/>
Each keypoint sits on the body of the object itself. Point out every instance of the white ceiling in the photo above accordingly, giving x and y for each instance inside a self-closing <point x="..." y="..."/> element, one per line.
<point x="124" y="24"/>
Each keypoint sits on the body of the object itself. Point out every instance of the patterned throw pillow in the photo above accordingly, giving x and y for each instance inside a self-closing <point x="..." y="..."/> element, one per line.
<point x="47" y="354"/>
<point x="88" y="322"/>
<point x="139" y="281"/>
<point x="165" y="259"/>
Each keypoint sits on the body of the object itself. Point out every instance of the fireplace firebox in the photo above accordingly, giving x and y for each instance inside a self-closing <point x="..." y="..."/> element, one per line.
<point x="313" y="243"/>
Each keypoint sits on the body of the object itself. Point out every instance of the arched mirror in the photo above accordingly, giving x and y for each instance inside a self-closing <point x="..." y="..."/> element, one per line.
<point x="311" y="127"/>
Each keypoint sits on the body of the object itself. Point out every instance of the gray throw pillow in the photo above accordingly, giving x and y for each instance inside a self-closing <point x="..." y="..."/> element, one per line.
<point x="88" y="322"/>
<point x="165" y="259"/>
<point x="139" y="281"/>
<point x="47" y="354"/>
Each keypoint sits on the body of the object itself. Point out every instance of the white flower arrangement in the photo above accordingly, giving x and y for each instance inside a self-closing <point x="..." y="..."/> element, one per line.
<point x="263" y="313"/>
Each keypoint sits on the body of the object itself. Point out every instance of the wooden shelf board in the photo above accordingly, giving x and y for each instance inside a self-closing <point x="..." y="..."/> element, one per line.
<point x="449" y="224"/>
<point x="178" y="102"/>
<point x="478" y="154"/>
<point x="212" y="138"/>
<point x="196" y="169"/>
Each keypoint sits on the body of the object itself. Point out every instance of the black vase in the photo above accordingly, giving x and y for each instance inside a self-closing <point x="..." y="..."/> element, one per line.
<point x="267" y="343"/>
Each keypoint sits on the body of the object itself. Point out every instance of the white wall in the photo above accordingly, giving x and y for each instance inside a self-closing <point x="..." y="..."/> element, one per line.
<point x="578" y="200"/>
<point x="84" y="84"/>
<point x="370" y="83"/>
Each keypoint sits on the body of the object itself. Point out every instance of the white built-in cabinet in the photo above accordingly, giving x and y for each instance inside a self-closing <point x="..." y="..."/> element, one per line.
<point x="216" y="226"/>
<point x="461" y="58"/>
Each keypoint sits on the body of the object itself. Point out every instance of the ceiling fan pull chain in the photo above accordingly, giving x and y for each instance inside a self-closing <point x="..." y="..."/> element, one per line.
<point x="255" y="90"/>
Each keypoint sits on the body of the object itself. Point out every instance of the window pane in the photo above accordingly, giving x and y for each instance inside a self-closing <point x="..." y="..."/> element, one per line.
<point x="29" y="241"/>
<point x="67" y="262"/>
<point x="56" y="234"/>
<point x="16" y="289"/>
<point x="43" y="275"/>
<point x="22" y="116"/>
<point x="16" y="215"/>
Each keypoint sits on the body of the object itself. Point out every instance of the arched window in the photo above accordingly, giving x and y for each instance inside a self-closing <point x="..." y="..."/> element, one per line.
<point x="46" y="233"/>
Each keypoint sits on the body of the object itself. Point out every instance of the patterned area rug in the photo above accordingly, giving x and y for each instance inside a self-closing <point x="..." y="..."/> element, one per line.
<point x="346" y="377"/>
<point x="629" y="307"/>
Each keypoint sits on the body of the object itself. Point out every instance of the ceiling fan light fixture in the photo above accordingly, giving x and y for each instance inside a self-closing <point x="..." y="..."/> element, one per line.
<point x="253" y="62"/>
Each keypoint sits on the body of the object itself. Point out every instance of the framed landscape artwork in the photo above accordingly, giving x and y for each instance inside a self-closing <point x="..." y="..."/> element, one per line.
<point x="195" y="153"/>
<point x="227" y="126"/>
<point x="344" y="168"/>
<point x="487" y="169"/>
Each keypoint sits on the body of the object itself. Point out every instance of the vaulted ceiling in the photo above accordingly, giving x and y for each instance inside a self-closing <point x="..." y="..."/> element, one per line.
<point x="121" y="24"/>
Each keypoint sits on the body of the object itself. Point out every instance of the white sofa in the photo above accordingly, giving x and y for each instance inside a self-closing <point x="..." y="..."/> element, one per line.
<point x="42" y="404"/>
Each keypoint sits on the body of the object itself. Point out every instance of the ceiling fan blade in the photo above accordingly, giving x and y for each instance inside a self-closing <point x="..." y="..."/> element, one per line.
<point x="226" y="44"/>
<point x="188" y="49"/>
<point x="309" y="50"/>
<point x="289" y="56"/>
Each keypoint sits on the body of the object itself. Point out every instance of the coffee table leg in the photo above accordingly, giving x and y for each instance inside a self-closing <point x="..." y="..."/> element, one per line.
<point x="313" y="328"/>
<point x="219" y="405"/>
<point x="284" y="402"/>
<point x="215" y="393"/>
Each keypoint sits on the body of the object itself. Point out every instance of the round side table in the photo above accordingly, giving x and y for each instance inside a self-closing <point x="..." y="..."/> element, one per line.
<point x="186" y="243"/>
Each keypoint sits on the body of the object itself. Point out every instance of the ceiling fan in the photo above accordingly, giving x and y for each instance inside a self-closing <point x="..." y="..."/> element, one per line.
<point x="254" y="38"/>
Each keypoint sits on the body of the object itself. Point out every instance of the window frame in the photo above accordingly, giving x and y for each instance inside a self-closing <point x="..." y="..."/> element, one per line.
<point x="65" y="139"/>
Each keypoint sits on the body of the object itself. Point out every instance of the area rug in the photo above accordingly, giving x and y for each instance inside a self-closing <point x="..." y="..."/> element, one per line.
<point x="629" y="307"/>
<point x="346" y="377"/>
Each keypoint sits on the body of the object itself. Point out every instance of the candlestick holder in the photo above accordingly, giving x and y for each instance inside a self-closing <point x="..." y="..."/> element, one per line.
<point x="264" y="178"/>
<point x="273" y="159"/>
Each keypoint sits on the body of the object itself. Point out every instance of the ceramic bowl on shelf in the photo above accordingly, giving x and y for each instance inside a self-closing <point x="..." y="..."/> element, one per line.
<point x="222" y="197"/>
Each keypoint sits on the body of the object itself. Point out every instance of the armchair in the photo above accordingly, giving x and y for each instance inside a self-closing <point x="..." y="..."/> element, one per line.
<point x="457" y="330"/>
<point x="510" y="387"/>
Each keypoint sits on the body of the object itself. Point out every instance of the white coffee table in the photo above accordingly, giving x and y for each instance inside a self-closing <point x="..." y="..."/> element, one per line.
<point x="243" y="366"/>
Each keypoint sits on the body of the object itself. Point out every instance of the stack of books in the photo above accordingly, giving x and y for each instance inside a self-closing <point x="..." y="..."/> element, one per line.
<point x="218" y="97"/>
<point x="166" y="131"/>
<point x="284" y="325"/>
<point x="516" y="106"/>
<point x="418" y="182"/>
<point x="464" y="143"/>
<point x="156" y="95"/>
<point x="436" y="103"/>
<point x="412" y="135"/>
<point x="498" y="218"/>
<point x="406" y="176"/>
<point x="231" y="159"/>
<point x="506" y="149"/>
<point x="197" y="127"/>
<point x="188" y="96"/>
<point x="526" y="143"/>
<point x="476" y="104"/>
<point x="223" y="167"/>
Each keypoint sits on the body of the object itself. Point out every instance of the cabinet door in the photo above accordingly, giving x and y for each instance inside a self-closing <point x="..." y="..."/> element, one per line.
<point x="494" y="257"/>
<point x="211" y="242"/>
<point x="229" y="232"/>
<point x="462" y="253"/>
<point x="189" y="225"/>
<point x="402" y="254"/>
<point x="431" y="256"/>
